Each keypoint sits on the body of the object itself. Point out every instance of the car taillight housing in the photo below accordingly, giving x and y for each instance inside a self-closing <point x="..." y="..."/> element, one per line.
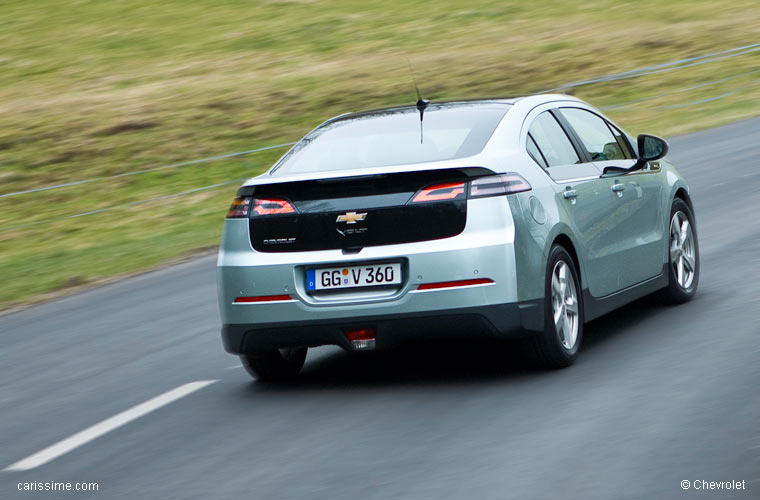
<point x="447" y="191"/>
<point x="498" y="185"/>
<point x="240" y="208"/>
<point x="271" y="206"/>
<point x="248" y="206"/>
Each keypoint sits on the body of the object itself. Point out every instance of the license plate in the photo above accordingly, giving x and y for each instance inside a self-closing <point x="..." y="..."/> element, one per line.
<point x="335" y="278"/>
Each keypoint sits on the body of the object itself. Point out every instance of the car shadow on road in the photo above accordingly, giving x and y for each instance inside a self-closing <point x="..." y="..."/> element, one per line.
<point x="447" y="362"/>
<point x="620" y="321"/>
<point x="454" y="362"/>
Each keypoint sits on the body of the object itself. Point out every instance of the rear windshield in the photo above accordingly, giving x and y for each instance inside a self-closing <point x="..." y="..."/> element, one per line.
<point x="393" y="137"/>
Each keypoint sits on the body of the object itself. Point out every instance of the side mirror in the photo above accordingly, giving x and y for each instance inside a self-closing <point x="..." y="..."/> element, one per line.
<point x="651" y="148"/>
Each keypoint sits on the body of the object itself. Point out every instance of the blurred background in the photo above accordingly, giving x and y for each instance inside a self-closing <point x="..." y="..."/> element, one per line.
<point x="95" y="93"/>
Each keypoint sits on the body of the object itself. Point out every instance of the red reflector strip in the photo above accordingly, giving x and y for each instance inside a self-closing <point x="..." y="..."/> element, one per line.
<point x="448" y="191"/>
<point x="453" y="284"/>
<point x="360" y="334"/>
<point x="263" y="298"/>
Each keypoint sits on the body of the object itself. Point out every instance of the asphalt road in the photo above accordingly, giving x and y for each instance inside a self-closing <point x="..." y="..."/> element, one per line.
<point x="659" y="395"/>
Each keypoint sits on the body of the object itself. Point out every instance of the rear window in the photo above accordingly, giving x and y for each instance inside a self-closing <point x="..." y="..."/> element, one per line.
<point x="392" y="137"/>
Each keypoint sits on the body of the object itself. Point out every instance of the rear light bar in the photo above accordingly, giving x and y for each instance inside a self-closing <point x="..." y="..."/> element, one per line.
<point x="272" y="206"/>
<point x="440" y="192"/>
<point x="498" y="185"/>
<point x="493" y="185"/>
<point x="454" y="284"/>
<point x="244" y="206"/>
<point x="262" y="298"/>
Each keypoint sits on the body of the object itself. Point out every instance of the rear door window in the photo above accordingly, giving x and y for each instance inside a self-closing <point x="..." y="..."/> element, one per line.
<point x="550" y="147"/>
<point x="552" y="141"/>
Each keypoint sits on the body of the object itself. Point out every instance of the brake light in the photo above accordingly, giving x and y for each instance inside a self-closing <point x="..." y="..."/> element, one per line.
<point x="272" y="206"/>
<point x="497" y="185"/>
<point x="241" y="207"/>
<point x="440" y="192"/>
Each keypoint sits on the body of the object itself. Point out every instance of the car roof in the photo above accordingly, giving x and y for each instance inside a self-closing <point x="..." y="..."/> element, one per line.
<point x="439" y="104"/>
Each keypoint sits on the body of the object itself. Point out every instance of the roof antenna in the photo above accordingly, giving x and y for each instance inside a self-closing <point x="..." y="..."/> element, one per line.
<point x="421" y="103"/>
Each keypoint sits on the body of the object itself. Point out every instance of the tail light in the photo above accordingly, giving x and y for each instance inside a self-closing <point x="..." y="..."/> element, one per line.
<point x="244" y="206"/>
<point x="240" y="207"/>
<point x="498" y="185"/>
<point x="272" y="206"/>
<point x="441" y="192"/>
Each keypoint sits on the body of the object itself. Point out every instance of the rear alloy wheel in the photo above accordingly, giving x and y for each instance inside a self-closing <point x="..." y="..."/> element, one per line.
<point x="281" y="364"/>
<point x="557" y="346"/>
<point x="683" y="256"/>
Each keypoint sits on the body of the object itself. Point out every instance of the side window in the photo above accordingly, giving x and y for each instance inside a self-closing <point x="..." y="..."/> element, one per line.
<point x="552" y="141"/>
<point x="622" y="141"/>
<point x="595" y="135"/>
<point x="535" y="153"/>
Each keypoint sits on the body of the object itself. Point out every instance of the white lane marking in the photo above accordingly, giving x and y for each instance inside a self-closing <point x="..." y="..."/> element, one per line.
<point x="80" y="438"/>
<point x="233" y="367"/>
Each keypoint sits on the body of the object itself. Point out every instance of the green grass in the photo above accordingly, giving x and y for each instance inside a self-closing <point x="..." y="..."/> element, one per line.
<point x="93" y="88"/>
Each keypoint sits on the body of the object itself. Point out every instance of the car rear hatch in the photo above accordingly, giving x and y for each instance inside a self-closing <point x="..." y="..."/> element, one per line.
<point x="350" y="213"/>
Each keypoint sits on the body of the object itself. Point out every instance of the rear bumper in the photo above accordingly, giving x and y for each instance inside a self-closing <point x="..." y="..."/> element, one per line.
<point x="499" y="321"/>
<point x="485" y="250"/>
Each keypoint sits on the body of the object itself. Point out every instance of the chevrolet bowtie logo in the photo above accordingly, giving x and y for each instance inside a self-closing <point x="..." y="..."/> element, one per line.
<point x="351" y="217"/>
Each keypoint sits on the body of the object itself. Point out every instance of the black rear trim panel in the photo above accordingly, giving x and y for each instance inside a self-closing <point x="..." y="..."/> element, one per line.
<point x="379" y="208"/>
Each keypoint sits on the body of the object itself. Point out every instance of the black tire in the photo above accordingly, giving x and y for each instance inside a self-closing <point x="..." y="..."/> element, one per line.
<point x="547" y="348"/>
<point x="675" y="293"/>
<point x="281" y="364"/>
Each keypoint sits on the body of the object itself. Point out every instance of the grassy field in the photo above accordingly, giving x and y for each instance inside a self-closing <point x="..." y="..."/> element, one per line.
<point x="93" y="88"/>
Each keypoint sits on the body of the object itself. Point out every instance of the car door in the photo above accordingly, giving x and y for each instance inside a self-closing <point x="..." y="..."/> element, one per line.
<point x="580" y="193"/>
<point x="637" y="227"/>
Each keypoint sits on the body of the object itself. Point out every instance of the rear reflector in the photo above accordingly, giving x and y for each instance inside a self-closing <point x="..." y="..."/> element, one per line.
<point x="361" y="338"/>
<point x="454" y="284"/>
<point x="440" y="192"/>
<point x="262" y="298"/>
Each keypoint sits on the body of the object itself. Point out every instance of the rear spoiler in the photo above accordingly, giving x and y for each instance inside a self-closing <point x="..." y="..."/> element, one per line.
<point x="249" y="188"/>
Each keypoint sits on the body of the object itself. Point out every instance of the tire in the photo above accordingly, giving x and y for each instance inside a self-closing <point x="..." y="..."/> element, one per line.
<point x="281" y="364"/>
<point x="557" y="346"/>
<point x="683" y="255"/>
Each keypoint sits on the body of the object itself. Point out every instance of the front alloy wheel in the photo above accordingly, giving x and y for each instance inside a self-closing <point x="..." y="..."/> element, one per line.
<point x="683" y="255"/>
<point x="682" y="250"/>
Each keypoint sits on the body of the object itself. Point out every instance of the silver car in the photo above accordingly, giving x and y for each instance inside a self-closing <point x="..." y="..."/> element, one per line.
<point x="514" y="218"/>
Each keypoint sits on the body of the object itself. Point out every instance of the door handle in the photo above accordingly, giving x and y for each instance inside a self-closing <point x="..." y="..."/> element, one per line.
<point x="570" y="194"/>
<point x="618" y="189"/>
